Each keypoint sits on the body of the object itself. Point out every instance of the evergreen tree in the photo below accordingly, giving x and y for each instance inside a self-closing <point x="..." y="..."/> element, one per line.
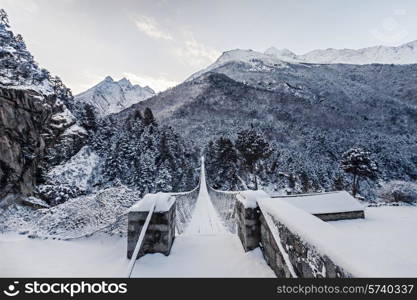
<point x="163" y="179"/>
<point x="358" y="162"/>
<point x="252" y="147"/>
<point x="89" y="118"/>
<point x="148" y="118"/>
<point x="222" y="164"/>
<point x="4" y="19"/>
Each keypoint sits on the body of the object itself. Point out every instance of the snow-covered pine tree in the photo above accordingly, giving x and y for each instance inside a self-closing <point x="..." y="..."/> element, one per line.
<point x="163" y="179"/>
<point x="148" y="118"/>
<point x="358" y="162"/>
<point x="89" y="119"/>
<point x="252" y="147"/>
<point x="222" y="164"/>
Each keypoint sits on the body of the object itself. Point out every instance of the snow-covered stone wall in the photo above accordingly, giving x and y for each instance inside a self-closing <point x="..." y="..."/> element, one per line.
<point x="294" y="242"/>
<point x="290" y="256"/>
<point x="330" y="206"/>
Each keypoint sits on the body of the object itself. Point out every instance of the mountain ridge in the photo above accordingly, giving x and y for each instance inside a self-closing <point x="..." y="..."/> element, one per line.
<point x="402" y="54"/>
<point x="110" y="96"/>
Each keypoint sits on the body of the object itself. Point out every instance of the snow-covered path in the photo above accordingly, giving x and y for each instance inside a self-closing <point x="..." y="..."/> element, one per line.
<point x="205" y="219"/>
<point x="219" y="255"/>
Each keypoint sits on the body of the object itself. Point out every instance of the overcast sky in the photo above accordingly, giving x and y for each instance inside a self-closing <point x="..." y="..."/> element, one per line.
<point x="161" y="42"/>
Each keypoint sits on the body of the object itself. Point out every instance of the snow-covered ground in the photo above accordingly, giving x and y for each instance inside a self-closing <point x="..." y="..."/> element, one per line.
<point x="218" y="255"/>
<point x="99" y="256"/>
<point x="105" y="256"/>
<point x="386" y="239"/>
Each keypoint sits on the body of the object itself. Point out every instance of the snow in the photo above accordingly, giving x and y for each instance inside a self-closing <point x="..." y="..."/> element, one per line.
<point x="102" y="256"/>
<point x="256" y="60"/>
<point x="75" y="130"/>
<point x="283" y="54"/>
<point x="382" y="245"/>
<point x="219" y="255"/>
<point x="35" y="201"/>
<point x="105" y="256"/>
<point x="163" y="202"/>
<point x="76" y="217"/>
<point x="64" y="118"/>
<point x="78" y="171"/>
<point x="249" y="198"/>
<point x="403" y="54"/>
<point x="278" y="58"/>
<point x="111" y="96"/>
<point x="322" y="203"/>
<point x="205" y="219"/>
<point x="386" y="239"/>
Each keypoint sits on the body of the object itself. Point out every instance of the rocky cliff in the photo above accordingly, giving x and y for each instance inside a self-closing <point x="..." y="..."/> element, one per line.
<point x="24" y="115"/>
<point x="37" y="130"/>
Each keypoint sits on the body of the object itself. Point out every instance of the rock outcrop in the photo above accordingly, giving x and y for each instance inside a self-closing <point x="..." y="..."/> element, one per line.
<point x="24" y="118"/>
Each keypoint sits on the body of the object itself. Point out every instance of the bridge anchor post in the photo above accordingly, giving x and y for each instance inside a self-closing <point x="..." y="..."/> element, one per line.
<point x="160" y="234"/>
<point x="248" y="222"/>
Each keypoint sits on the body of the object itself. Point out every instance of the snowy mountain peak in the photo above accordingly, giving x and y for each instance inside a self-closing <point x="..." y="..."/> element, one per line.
<point x="247" y="56"/>
<point x="255" y="60"/>
<point x="403" y="54"/>
<point x="108" y="79"/>
<point x="125" y="83"/>
<point x="412" y="44"/>
<point x="111" y="96"/>
<point x="283" y="54"/>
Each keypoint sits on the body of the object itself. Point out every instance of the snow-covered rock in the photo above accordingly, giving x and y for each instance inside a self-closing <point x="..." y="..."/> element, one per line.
<point x="111" y="96"/>
<point x="34" y="112"/>
<point x="77" y="171"/>
<point x="76" y="217"/>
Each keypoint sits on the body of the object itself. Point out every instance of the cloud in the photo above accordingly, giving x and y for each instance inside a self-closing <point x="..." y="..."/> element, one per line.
<point x="22" y="9"/>
<point x="158" y="84"/>
<point x="87" y="80"/>
<point x="151" y="28"/>
<point x="195" y="53"/>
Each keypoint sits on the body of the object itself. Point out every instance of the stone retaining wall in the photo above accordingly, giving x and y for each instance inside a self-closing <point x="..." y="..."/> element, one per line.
<point x="290" y="256"/>
<point x="284" y="250"/>
<point x="359" y="214"/>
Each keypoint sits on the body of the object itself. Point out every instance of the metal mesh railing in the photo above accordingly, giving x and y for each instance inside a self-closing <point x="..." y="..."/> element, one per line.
<point x="225" y="203"/>
<point x="185" y="204"/>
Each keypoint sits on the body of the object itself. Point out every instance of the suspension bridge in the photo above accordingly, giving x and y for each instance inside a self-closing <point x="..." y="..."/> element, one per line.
<point x="209" y="233"/>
